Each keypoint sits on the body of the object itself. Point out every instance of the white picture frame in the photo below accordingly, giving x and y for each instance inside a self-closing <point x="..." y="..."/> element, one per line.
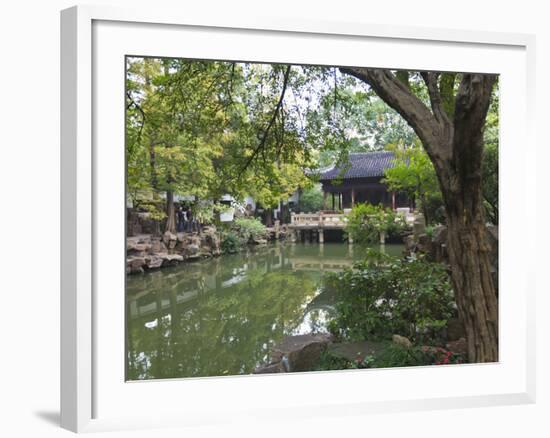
<point x="93" y="396"/>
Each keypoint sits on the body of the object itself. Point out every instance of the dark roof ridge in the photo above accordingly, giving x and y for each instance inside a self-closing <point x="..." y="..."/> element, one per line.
<point x="366" y="164"/>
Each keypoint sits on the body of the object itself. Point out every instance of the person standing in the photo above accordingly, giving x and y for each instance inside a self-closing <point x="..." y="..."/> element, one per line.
<point x="181" y="220"/>
<point x="190" y="219"/>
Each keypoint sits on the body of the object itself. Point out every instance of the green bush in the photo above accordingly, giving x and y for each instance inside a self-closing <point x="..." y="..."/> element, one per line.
<point x="392" y="355"/>
<point x="430" y="231"/>
<point x="384" y="295"/>
<point x="328" y="362"/>
<point x="395" y="355"/>
<point x="367" y="221"/>
<point x="248" y="229"/>
<point x="311" y="200"/>
<point x="399" y="356"/>
<point x="230" y="243"/>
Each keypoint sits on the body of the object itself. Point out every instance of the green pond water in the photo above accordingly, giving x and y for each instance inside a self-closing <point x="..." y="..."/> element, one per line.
<point x="222" y="316"/>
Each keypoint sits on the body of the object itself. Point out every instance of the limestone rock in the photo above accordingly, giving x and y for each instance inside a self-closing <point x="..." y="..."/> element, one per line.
<point x="150" y="252"/>
<point x="210" y="242"/>
<point x="157" y="246"/>
<point x="142" y="247"/>
<point x="154" y="261"/>
<point x="410" y="243"/>
<point x="301" y="352"/>
<point x="419" y="226"/>
<point x="172" y="257"/>
<point x="425" y="244"/>
<point x="460" y="346"/>
<point x="169" y="237"/>
<point x="270" y="368"/>
<point x="355" y="351"/>
<point x="401" y="340"/>
<point x="192" y="251"/>
<point x="135" y="264"/>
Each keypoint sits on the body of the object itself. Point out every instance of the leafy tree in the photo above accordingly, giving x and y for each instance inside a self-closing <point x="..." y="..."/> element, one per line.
<point x="366" y="222"/>
<point x="414" y="173"/>
<point x="451" y="128"/>
<point x="196" y="128"/>
<point x="311" y="200"/>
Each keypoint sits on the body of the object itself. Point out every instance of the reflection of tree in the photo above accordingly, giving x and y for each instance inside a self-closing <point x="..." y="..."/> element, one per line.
<point x="222" y="315"/>
<point x="229" y="331"/>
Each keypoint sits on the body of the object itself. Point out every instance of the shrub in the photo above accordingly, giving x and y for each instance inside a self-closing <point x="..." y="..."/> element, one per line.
<point x="430" y="231"/>
<point x="248" y="229"/>
<point x="328" y="362"/>
<point x="367" y="221"/>
<point x="392" y="355"/>
<point x="311" y="200"/>
<point x="384" y="295"/>
<point x="230" y="243"/>
<point x="395" y="355"/>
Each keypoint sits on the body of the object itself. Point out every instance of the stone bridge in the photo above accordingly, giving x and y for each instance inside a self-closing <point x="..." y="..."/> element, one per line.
<point x="315" y="224"/>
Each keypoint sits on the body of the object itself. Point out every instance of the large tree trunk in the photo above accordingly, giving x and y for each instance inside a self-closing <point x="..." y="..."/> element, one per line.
<point x="268" y="217"/>
<point x="469" y="261"/>
<point x="453" y="139"/>
<point x="476" y="295"/>
<point x="170" y="213"/>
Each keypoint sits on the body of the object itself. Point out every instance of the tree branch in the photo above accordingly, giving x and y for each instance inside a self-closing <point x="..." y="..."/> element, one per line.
<point x="471" y="105"/>
<point x="397" y="95"/>
<point x="431" y="81"/>
<point x="133" y="103"/>
<point x="262" y="144"/>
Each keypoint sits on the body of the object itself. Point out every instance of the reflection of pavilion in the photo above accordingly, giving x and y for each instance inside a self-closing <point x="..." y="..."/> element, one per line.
<point x="319" y="265"/>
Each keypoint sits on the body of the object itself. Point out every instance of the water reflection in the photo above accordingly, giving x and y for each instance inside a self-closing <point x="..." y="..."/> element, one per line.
<point x="222" y="316"/>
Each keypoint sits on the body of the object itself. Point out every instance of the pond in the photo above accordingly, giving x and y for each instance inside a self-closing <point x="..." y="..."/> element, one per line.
<point x="222" y="316"/>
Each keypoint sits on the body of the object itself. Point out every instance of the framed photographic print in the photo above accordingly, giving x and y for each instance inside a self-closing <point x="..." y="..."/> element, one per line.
<point x="323" y="212"/>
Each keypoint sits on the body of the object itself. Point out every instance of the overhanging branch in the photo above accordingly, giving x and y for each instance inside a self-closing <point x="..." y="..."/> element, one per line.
<point x="261" y="146"/>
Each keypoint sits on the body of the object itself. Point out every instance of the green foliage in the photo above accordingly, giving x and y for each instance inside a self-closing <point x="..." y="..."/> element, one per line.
<point x="329" y="362"/>
<point x="231" y="243"/>
<point x="413" y="173"/>
<point x="249" y="229"/>
<point x="390" y="356"/>
<point x="240" y="233"/>
<point x="311" y="200"/>
<point x="365" y="222"/>
<point x="395" y="355"/>
<point x="489" y="185"/>
<point x="385" y="295"/>
<point x="429" y="231"/>
<point x="196" y="127"/>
